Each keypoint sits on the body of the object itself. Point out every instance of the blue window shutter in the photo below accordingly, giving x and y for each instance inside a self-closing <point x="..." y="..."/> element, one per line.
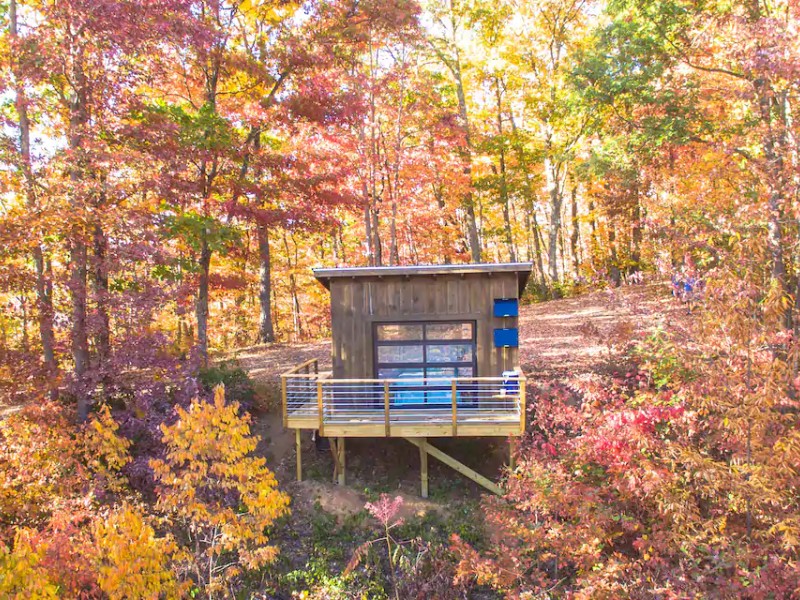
<point x="506" y="307"/>
<point x="506" y="338"/>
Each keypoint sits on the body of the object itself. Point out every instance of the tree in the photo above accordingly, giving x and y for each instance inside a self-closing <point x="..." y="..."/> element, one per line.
<point x="552" y="33"/>
<point x="452" y="20"/>
<point x="43" y="283"/>
<point x="221" y="497"/>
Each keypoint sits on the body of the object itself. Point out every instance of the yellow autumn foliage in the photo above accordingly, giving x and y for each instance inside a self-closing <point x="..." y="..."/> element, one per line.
<point x="22" y="575"/>
<point x="106" y="452"/>
<point x="212" y="486"/>
<point x="133" y="562"/>
<point x="45" y="461"/>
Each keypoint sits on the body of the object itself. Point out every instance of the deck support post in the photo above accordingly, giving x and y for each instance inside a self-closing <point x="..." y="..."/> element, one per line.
<point x="299" y="447"/>
<point x="458" y="466"/>
<point x="512" y="463"/>
<point x="320" y="409"/>
<point x="423" y="470"/>
<point x="341" y="460"/>
<point x="454" y="400"/>
<point x="386" y="409"/>
<point x="335" y="454"/>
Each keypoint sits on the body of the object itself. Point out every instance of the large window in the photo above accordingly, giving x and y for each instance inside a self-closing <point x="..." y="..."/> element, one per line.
<point x="414" y="350"/>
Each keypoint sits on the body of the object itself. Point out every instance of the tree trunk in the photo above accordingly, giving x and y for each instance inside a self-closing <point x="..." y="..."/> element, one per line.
<point x="594" y="245"/>
<point x="528" y="237"/>
<point x="776" y="186"/>
<point x="266" y="330"/>
<point x="80" y="342"/>
<point x="453" y="64"/>
<point x="296" y="320"/>
<point x="554" y="190"/>
<point x="102" y="333"/>
<point x="532" y="224"/>
<point x="78" y="118"/>
<point x="44" y="297"/>
<point x="376" y="233"/>
<point x="512" y="254"/>
<point x="538" y="244"/>
<point x="563" y="248"/>
<point x="573" y="240"/>
<point x="100" y="288"/>
<point x="44" y="300"/>
<point x="438" y="193"/>
<point x="468" y="200"/>
<point x="394" y="254"/>
<point x="201" y="307"/>
<point x="23" y="302"/>
<point x="368" y="231"/>
<point x="636" y="233"/>
<point x="613" y="267"/>
<point x="341" y="258"/>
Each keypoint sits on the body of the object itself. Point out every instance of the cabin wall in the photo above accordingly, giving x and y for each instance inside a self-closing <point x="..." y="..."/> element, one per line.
<point x="359" y="302"/>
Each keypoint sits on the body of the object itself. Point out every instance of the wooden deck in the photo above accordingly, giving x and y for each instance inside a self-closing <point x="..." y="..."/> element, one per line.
<point x="418" y="408"/>
<point x="414" y="409"/>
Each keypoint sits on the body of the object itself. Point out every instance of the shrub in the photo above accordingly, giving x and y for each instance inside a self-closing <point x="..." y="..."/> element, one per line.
<point x="22" y="574"/>
<point x="220" y="497"/>
<point x="133" y="562"/>
<point x="237" y="383"/>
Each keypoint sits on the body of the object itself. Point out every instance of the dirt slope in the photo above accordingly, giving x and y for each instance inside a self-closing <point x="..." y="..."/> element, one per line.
<point x="572" y="336"/>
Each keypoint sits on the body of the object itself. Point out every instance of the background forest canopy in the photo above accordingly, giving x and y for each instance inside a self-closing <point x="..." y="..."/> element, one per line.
<point x="171" y="169"/>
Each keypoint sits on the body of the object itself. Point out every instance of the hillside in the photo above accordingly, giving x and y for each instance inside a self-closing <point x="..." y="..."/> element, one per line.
<point x="559" y="340"/>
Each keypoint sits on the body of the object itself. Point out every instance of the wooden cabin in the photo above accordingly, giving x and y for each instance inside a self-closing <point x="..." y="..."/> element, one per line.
<point x="418" y="352"/>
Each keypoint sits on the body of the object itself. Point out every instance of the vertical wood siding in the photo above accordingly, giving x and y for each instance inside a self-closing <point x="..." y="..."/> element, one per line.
<point x="357" y="303"/>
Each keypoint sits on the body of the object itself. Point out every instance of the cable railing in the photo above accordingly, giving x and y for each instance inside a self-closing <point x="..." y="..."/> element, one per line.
<point x="386" y="407"/>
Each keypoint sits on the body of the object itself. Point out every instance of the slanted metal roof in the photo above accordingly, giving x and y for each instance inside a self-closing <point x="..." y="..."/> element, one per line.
<point x="523" y="269"/>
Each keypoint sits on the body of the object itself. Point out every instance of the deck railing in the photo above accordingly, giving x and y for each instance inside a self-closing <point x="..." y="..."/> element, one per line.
<point x="402" y="407"/>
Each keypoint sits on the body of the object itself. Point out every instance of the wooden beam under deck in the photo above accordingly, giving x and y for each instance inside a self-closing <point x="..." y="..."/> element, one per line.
<point x="451" y="462"/>
<point x="341" y="460"/>
<point x="423" y="467"/>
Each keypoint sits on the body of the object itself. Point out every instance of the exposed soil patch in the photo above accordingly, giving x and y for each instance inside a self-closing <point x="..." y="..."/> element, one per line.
<point x="344" y="501"/>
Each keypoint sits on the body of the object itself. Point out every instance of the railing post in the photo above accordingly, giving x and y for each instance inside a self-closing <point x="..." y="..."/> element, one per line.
<point x="284" y="401"/>
<point x="522" y="405"/>
<point x="454" y="399"/>
<point x="319" y="408"/>
<point x="386" y="408"/>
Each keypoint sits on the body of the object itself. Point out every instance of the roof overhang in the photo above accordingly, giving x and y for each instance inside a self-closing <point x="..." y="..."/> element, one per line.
<point x="522" y="269"/>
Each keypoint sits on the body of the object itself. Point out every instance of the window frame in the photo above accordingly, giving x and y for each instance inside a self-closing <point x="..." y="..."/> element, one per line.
<point x="425" y="342"/>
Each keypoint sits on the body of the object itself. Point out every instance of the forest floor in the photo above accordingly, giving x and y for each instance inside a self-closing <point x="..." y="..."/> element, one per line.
<point x="559" y="339"/>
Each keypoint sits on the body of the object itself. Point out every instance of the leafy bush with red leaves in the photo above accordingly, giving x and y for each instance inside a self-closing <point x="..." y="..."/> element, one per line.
<point x="625" y="487"/>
